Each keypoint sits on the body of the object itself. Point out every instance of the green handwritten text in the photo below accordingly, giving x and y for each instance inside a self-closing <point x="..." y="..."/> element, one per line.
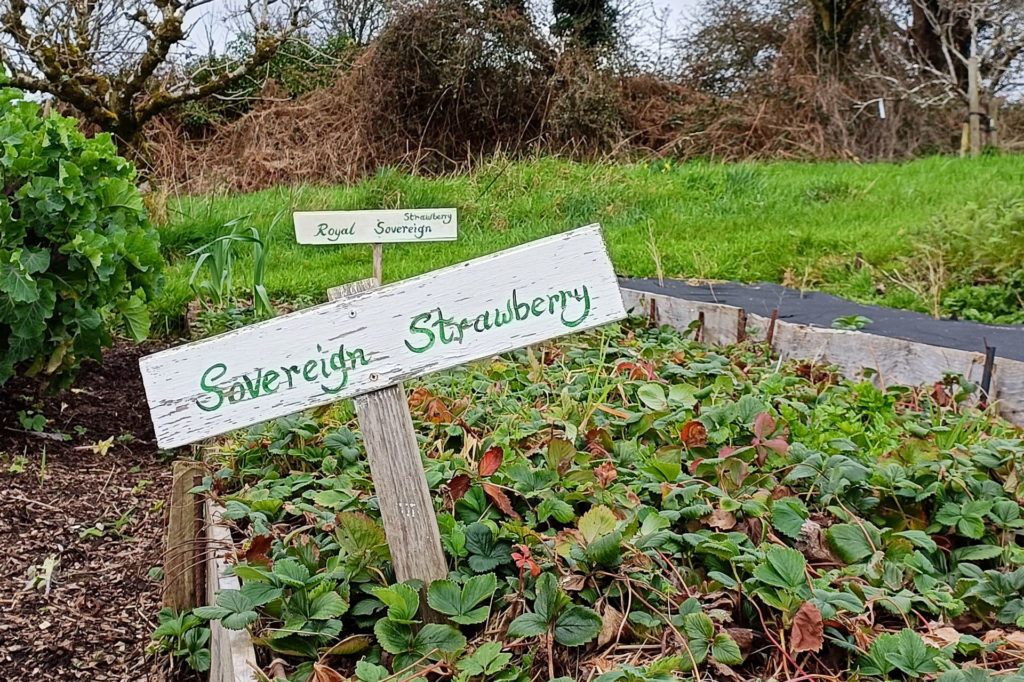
<point x="426" y="329"/>
<point x="330" y="372"/>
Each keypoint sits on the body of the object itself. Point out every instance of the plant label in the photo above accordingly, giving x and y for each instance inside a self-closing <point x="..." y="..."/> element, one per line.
<point x="377" y="338"/>
<point x="376" y="227"/>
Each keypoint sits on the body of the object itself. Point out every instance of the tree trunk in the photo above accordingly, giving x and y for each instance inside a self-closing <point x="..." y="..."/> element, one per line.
<point x="974" y="98"/>
<point x="929" y="42"/>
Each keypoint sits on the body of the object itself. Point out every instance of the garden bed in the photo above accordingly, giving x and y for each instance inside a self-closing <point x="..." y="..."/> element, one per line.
<point x="903" y="347"/>
<point x="644" y="478"/>
<point x="83" y="487"/>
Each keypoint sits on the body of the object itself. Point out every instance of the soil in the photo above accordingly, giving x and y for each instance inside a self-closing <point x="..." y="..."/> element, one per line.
<point x="101" y="514"/>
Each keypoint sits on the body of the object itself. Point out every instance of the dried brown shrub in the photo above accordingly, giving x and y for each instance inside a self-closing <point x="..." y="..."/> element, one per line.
<point x="448" y="82"/>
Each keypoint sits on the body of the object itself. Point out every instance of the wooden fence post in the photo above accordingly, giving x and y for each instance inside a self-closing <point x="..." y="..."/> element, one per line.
<point x="994" y="105"/>
<point x="183" y="560"/>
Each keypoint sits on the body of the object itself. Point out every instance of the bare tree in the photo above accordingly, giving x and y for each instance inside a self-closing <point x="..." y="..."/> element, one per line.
<point x="732" y="45"/>
<point x="837" y="21"/>
<point x="360" y="20"/>
<point x="948" y="35"/>
<point x="112" y="59"/>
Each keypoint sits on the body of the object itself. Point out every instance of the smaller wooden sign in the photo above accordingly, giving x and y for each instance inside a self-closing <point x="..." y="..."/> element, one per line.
<point x="376" y="227"/>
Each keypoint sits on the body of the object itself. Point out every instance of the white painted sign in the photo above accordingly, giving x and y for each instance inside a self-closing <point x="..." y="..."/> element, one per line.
<point x="376" y="227"/>
<point x="472" y="310"/>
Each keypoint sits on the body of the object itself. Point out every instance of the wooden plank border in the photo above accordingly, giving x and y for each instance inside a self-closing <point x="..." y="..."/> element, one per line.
<point x="896" y="360"/>
<point x="232" y="654"/>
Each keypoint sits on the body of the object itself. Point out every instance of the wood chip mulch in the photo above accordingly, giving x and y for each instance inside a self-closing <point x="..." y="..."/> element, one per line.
<point x="96" y="620"/>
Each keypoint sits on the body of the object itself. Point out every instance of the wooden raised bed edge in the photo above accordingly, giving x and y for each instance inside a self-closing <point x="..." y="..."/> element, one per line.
<point x="896" y="360"/>
<point x="232" y="654"/>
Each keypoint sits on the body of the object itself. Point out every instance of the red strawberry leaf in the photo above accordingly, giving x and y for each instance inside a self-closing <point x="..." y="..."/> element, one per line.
<point x="500" y="499"/>
<point x="491" y="460"/>
<point x="458" y="486"/>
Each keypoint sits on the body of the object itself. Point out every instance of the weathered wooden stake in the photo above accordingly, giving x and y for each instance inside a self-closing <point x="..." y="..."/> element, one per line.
<point x="233" y="658"/>
<point x="401" y="485"/>
<point x="378" y="263"/>
<point x="182" y="560"/>
<point x="398" y="478"/>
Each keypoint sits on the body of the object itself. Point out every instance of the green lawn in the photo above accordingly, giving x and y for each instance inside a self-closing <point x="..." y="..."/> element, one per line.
<point x="784" y="222"/>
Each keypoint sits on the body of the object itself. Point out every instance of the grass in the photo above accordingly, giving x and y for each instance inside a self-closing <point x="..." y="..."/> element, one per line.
<point x="802" y="224"/>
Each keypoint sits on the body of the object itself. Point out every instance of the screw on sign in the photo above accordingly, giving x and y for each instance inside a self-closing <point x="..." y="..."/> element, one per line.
<point x="366" y="343"/>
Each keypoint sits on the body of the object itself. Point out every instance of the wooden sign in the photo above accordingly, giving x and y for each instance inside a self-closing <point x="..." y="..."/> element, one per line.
<point x="376" y="227"/>
<point x="377" y="338"/>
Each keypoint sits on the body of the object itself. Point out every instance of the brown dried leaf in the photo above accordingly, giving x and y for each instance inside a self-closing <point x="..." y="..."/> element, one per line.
<point x="808" y="631"/>
<point x="724" y="672"/>
<point x="611" y="621"/>
<point x="941" y="637"/>
<point x="602" y="665"/>
<point x="813" y="544"/>
<point x="940" y="396"/>
<point x="321" y="673"/>
<point x="993" y="636"/>
<point x="418" y="397"/>
<point x="694" y="434"/>
<point x="500" y="499"/>
<point x="606" y="473"/>
<point x="1014" y="640"/>
<point x="458" y="486"/>
<point x="491" y="460"/>
<point x="278" y="669"/>
<point x="437" y="412"/>
<point x="722" y="520"/>
<point x="257" y="551"/>
<point x="744" y="638"/>
<point x="573" y="582"/>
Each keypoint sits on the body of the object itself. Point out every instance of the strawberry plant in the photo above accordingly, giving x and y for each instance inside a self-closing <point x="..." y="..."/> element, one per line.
<point x="183" y="635"/>
<point x="635" y="506"/>
<point x="77" y="252"/>
<point x="396" y="635"/>
<point x="554" y="614"/>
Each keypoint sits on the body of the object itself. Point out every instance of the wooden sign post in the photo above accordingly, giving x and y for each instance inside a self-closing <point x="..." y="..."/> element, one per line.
<point x="366" y="343"/>
<point x="377" y="228"/>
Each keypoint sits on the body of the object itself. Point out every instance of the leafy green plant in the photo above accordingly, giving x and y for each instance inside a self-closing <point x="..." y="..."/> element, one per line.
<point x="488" y="662"/>
<point x="757" y="519"/>
<point x="32" y="421"/>
<point x="462" y="603"/>
<point x="76" y="245"/>
<point x="307" y="603"/>
<point x="234" y="609"/>
<point x="851" y="323"/>
<point x="702" y="640"/>
<point x="184" y="636"/>
<point x="553" y="612"/>
<point x="213" y="274"/>
<point x="397" y="635"/>
<point x="662" y="670"/>
<point x="905" y="652"/>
